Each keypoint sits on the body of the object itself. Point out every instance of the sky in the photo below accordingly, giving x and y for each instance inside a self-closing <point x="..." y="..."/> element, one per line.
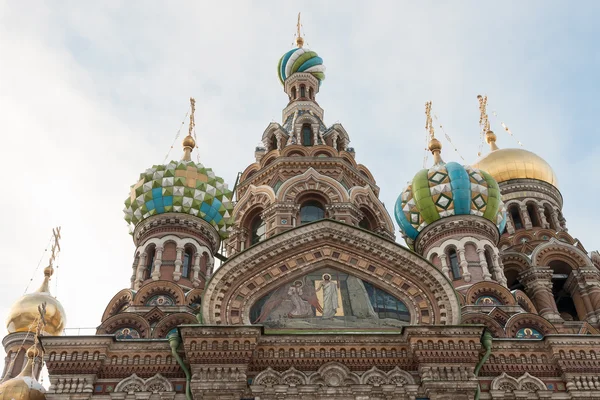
<point x="93" y="93"/>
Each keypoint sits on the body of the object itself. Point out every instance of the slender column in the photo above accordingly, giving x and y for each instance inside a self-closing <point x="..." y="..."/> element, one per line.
<point x="279" y="141"/>
<point x="157" y="264"/>
<point x="554" y="216"/>
<point x="464" y="265"/>
<point x="484" y="265"/>
<point x="196" y="270"/>
<point x="499" y="270"/>
<point x="542" y="216"/>
<point x="210" y="263"/>
<point x="178" y="263"/>
<point x="334" y="138"/>
<point x="510" y="226"/>
<point x="140" y="271"/>
<point x="538" y="286"/>
<point x="525" y="216"/>
<point x="445" y="268"/>
<point x="315" y="129"/>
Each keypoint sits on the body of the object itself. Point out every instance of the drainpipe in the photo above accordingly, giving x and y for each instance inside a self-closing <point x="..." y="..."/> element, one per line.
<point x="174" y="342"/>
<point x="486" y="342"/>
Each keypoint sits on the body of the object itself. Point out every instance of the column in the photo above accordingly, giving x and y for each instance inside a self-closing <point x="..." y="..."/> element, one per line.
<point x="499" y="270"/>
<point x="210" y="263"/>
<point x="445" y="268"/>
<point x="542" y="216"/>
<point x="157" y="264"/>
<point x="554" y="216"/>
<point x="140" y="271"/>
<point x="484" y="265"/>
<point x="334" y="139"/>
<point x="196" y="270"/>
<point x="525" y="216"/>
<point x="178" y="263"/>
<point x="510" y="227"/>
<point x="538" y="286"/>
<point x="464" y="265"/>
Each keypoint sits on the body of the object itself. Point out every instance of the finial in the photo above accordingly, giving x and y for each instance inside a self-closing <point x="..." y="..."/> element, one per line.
<point x="189" y="143"/>
<point x="484" y="123"/>
<point x="434" y="145"/>
<point x="299" y="38"/>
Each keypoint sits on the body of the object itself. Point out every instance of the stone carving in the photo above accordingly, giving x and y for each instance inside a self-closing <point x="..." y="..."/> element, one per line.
<point x="525" y="382"/>
<point x="155" y="384"/>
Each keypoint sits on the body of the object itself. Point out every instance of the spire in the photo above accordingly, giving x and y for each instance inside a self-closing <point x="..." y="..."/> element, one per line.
<point x="299" y="38"/>
<point x="484" y="123"/>
<point x="189" y="143"/>
<point x="434" y="145"/>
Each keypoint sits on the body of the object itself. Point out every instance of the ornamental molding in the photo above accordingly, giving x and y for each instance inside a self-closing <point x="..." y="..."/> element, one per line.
<point x="518" y="188"/>
<point x="543" y="252"/>
<point x="525" y="383"/>
<point x="155" y="384"/>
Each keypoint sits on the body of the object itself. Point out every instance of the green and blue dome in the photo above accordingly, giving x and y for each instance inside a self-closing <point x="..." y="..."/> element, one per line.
<point x="445" y="190"/>
<point x="181" y="187"/>
<point x="300" y="60"/>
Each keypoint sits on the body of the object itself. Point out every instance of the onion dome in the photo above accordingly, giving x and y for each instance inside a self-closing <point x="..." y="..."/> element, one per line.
<point x="506" y="164"/>
<point x="24" y="312"/>
<point x="444" y="190"/>
<point x="181" y="187"/>
<point x="23" y="386"/>
<point x="300" y="60"/>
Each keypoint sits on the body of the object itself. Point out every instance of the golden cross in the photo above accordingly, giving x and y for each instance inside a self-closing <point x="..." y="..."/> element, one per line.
<point x="428" y="122"/>
<point x="55" y="245"/>
<point x="298" y="25"/>
<point x="299" y="39"/>
<point x="192" y="121"/>
<point x="484" y="122"/>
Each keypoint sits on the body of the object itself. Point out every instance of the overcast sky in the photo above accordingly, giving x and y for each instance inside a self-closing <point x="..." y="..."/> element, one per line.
<point x="92" y="94"/>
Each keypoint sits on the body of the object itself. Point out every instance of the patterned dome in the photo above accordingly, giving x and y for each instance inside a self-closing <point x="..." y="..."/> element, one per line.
<point x="300" y="60"/>
<point x="183" y="187"/>
<point x="445" y="190"/>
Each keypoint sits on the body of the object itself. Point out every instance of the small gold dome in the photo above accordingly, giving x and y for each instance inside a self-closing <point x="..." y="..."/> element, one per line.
<point x="23" y="386"/>
<point x="435" y="145"/>
<point x="189" y="142"/>
<point x="507" y="164"/>
<point x="24" y="312"/>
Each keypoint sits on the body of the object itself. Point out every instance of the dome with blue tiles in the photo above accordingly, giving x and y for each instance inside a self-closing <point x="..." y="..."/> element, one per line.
<point x="300" y="60"/>
<point x="444" y="190"/>
<point x="181" y="187"/>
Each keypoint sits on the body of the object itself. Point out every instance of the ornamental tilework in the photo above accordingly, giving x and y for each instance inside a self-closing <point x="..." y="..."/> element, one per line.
<point x="181" y="186"/>
<point x="445" y="190"/>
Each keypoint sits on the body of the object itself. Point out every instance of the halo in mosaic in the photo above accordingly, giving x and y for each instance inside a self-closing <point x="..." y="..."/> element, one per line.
<point x="182" y="187"/>
<point x="300" y="60"/>
<point x="445" y="190"/>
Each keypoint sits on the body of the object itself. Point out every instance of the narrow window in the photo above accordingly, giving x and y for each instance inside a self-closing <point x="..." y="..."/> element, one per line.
<point x="488" y="260"/>
<point x="306" y="135"/>
<point x="258" y="230"/>
<point x="454" y="264"/>
<point x="294" y="93"/>
<point x="187" y="263"/>
<point x="149" y="262"/>
<point x="516" y="217"/>
<point x="302" y="91"/>
<point x="310" y="94"/>
<point x="311" y="211"/>
<point x="273" y="143"/>
<point x="533" y="215"/>
<point x="365" y="223"/>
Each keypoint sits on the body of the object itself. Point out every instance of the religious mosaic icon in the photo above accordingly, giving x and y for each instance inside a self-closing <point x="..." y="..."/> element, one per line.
<point x="328" y="298"/>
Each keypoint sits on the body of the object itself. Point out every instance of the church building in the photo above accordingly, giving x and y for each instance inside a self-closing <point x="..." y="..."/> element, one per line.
<point x="296" y="285"/>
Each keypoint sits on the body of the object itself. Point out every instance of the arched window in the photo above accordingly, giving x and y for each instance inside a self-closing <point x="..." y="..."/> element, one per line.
<point x="311" y="94"/>
<point x="454" y="264"/>
<point x="365" y="223"/>
<point x="273" y="142"/>
<point x="548" y="215"/>
<point x="150" y="255"/>
<point x="564" y="300"/>
<point x="306" y="135"/>
<point x="258" y="230"/>
<point x="340" y="144"/>
<point x="533" y="215"/>
<point x="294" y="93"/>
<point x="516" y="217"/>
<point x="311" y="211"/>
<point x="187" y="262"/>
<point x="302" y="91"/>
<point x="488" y="260"/>
<point x="512" y="279"/>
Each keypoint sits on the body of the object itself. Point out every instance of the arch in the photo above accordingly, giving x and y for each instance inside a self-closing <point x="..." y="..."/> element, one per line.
<point x="518" y="321"/>
<point x="269" y="158"/>
<point x="159" y="287"/>
<point x="532" y="210"/>
<point x="116" y="304"/>
<point x="490" y="323"/>
<point x="124" y="320"/>
<point x="490" y="288"/>
<point x="295" y="149"/>
<point x="310" y="211"/>
<point x="262" y="196"/>
<point x="317" y="150"/>
<point x="557" y="250"/>
<point x="364" y="197"/>
<point x="515" y="215"/>
<point x="525" y="382"/>
<point x="365" y="171"/>
<point x="240" y="281"/>
<point x="249" y="171"/>
<point x="312" y="181"/>
<point x="524" y="301"/>
<point x="172" y="321"/>
<point x="548" y="211"/>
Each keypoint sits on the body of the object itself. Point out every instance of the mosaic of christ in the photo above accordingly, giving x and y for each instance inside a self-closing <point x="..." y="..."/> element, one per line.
<point x="328" y="298"/>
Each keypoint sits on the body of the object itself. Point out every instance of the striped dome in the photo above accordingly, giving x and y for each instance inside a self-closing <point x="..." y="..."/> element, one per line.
<point x="300" y="60"/>
<point x="445" y="190"/>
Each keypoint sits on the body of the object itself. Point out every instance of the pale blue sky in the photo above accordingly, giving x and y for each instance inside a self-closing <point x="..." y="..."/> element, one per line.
<point x="92" y="93"/>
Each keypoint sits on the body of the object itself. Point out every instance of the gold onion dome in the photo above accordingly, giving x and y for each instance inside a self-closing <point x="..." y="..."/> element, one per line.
<point x="506" y="164"/>
<point x="24" y="312"/>
<point x="23" y="386"/>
